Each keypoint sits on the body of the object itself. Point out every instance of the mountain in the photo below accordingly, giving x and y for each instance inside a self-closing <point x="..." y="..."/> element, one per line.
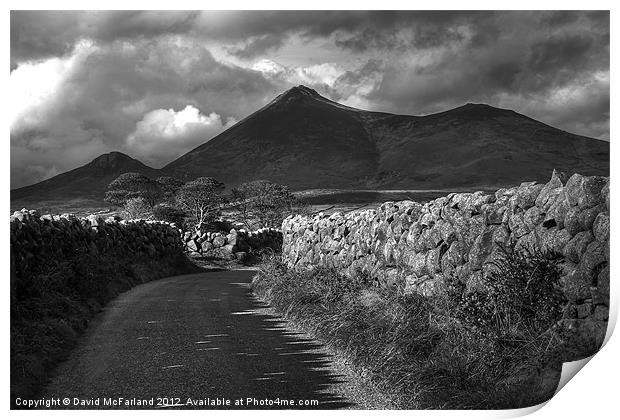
<point x="304" y="140"/>
<point x="300" y="139"/>
<point x="86" y="182"/>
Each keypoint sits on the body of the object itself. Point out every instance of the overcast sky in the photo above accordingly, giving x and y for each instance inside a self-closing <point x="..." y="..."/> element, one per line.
<point x="156" y="84"/>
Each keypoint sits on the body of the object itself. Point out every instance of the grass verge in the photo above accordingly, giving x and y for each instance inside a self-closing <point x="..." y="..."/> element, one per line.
<point x="455" y="352"/>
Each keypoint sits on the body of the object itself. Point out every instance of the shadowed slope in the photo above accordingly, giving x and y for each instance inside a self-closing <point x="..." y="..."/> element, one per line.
<point x="307" y="141"/>
<point x="299" y="139"/>
<point x="88" y="181"/>
<point x="478" y="146"/>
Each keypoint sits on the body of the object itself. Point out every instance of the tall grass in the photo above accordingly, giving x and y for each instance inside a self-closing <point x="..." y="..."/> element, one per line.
<point x="447" y="352"/>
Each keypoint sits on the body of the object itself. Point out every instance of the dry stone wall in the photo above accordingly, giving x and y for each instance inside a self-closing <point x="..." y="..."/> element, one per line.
<point x="424" y="247"/>
<point x="235" y="243"/>
<point x="63" y="270"/>
<point x="36" y="240"/>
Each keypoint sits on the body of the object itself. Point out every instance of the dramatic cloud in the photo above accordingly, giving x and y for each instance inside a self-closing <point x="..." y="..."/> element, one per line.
<point x="156" y="84"/>
<point x="71" y="109"/>
<point x="324" y="74"/>
<point x="545" y="74"/>
<point x="43" y="34"/>
<point x="165" y="133"/>
<point x="258" y="45"/>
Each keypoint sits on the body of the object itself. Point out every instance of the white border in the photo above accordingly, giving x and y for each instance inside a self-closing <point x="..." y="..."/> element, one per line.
<point x="592" y="394"/>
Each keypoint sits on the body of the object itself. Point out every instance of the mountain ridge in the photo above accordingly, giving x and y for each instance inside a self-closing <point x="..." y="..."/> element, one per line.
<point x="379" y="133"/>
<point x="305" y="140"/>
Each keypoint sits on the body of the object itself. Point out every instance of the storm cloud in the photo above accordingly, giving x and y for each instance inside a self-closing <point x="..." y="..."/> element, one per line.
<point x="155" y="84"/>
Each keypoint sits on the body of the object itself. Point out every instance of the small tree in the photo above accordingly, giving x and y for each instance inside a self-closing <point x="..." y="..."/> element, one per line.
<point x="133" y="185"/>
<point x="201" y="199"/>
<point x="263" y="203"/>
<point x="137" y="208"/>
<point x="169" y="187"/>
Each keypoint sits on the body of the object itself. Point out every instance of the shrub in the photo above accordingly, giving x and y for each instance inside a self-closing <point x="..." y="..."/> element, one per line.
<point x="521" y="295"/>
<point x="500" y="341"/>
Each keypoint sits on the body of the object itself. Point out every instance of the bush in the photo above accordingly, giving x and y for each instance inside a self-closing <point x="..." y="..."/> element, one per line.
<point x="521" y="296"/>
<point x="500" y="341"/>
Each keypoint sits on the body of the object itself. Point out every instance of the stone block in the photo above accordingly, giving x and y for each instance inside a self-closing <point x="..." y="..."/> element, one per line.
<point x="577" y="246"/>
<point x="600" y="227"/>
<point x="219" y="241"/>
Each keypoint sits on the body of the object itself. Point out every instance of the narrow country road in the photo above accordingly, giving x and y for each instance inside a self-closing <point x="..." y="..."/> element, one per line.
<point x="188" y="341"/>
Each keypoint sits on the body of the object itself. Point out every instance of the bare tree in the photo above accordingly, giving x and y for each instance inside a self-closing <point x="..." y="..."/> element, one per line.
<point x="201" y="199"/>
<point x="137" y="208"/>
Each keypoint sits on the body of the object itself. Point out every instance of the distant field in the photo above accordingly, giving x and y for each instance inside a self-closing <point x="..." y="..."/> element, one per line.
<point x="326" y="200"/>
<point x="332" y="200"/>
<point x="332" y="196"/>
<point x="79" y="207"/>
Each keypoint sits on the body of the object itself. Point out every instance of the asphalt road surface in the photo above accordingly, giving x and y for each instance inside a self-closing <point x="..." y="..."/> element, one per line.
<point x="198" y="341"/>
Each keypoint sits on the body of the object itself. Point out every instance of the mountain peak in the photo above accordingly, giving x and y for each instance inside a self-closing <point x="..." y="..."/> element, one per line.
<point x="296" y="94"/>
<point x="111" y="160"/>
<point x="88" y="181"/>
<point x="478" y="111"/>
<point x="302" y="90"/>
